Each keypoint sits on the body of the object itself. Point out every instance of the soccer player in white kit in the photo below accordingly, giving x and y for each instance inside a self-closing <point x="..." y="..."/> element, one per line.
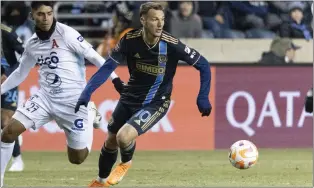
<point x="60" y="51"/>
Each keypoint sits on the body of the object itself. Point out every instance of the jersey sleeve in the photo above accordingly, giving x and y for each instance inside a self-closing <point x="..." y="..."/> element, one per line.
<point x="27" y="62"/>
<point x="119" y="53"/>
<point x="27" y="59"/>
<point x="187" y="54"/>
<point x="76" y="42"/>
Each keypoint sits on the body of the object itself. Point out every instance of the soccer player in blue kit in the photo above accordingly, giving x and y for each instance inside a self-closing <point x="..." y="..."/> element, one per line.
<point x="152" y="56"/>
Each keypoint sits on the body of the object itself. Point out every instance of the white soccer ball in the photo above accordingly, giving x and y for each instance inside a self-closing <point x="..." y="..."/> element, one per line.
<point x="243" y="154"/>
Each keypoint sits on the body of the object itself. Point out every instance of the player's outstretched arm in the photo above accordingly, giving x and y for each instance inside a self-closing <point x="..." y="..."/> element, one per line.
<point x="203" y="103"/>
<point x="194" y="58"/>
<point x="96" y="81"/>
<point x="78" y="44"/>
<point x="93" y="57"/>
<point x="19" y="75"/>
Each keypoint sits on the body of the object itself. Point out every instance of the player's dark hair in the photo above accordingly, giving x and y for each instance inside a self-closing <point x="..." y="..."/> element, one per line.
<point x="36" y="4"/>
<point x="145" y="7"/>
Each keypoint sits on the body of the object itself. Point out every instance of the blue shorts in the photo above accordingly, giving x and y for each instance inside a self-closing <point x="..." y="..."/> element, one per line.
<point x="9" y="99"/>
<point x="141" y="118"/>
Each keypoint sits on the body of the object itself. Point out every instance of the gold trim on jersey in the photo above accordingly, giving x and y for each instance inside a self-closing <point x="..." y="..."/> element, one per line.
<point x="169" y="38"/>
<point x="156" y="115"/>
<point x="134" y="34"/>
<point x="6" y="28"/>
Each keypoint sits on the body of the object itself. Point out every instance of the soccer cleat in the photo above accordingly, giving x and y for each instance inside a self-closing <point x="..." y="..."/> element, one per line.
<point x="96" y="183"/>
<point x="97" y="118"/>
<point x="118" y="173"/>
<point x="17" y="165"/>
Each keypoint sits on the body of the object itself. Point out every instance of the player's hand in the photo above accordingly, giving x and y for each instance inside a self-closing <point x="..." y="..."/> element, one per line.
<point x="118" y="84"/>
<point x="79" y="103"/>
<point x="204" y="106"/>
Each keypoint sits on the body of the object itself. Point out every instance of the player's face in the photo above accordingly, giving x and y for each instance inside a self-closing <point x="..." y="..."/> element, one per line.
<point x="297" y="15"/>
<point x="43" y="17"/>
<point x="154" y="22"/>
<point x="186" y="8"/>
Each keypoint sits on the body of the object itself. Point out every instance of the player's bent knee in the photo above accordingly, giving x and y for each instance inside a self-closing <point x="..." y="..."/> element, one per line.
<point x="6" y="116"/>
<point x="76" y="161"/>
<point x="6" y="136"/>
<point x="123" y="139"/>
<point x="111" y="144"/>
<point x="11" y="132"/>
<point x="126" y="135"/>
<point x="111" y="141"/>
<point x="77" y="156"/>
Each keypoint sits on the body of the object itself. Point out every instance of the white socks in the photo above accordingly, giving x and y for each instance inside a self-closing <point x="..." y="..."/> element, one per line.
<point x="6" y="154"/>
<point x="101" y="180"/>
<point x="18" y="158"/>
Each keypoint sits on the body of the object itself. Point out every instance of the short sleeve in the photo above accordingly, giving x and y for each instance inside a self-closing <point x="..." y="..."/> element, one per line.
<point x="119" y="53"/>
<point x="76" y="42"/>
<point x="187" y="54"/>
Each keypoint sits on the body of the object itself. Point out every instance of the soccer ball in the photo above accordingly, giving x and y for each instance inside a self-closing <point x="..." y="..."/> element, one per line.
<point x="243" y="154"/>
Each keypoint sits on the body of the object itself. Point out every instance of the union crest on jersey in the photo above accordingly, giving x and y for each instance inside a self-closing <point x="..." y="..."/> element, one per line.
<point x="162" y="59"/>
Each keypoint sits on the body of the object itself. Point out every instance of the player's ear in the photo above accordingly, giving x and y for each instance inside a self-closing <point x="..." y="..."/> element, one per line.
<point x="142" y="19"/>
<point x="31" y="15"/>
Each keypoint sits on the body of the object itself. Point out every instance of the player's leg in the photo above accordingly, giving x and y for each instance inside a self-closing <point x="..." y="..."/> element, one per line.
<point x="107" y="158"/>
<point x="109" y="151"/>
<point x="8" y="136"/>
<point x="32" y="114"/>
<point x="76" y="155"/>
<point x="78" y="128"/>
<point x="140" y="122"/>
<point x="79" y="139"/>
<point x="17" y="162"/>
<point x="8" y="106"/>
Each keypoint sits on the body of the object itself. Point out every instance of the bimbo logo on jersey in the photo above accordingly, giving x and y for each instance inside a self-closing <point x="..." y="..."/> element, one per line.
<point x="150" y="69"/>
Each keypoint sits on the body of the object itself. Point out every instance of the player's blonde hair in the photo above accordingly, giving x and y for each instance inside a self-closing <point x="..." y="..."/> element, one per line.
<point x="145" y="7"/>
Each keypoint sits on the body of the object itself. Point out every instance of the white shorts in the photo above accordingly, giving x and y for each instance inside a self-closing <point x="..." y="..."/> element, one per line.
<point x="39" y="110"/>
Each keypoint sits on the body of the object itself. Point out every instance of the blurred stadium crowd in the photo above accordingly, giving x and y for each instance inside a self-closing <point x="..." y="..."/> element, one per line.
<point x="107" y="22"/>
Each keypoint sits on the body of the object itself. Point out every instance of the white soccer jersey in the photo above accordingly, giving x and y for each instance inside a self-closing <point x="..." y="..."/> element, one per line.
<point x="61" y="60"/>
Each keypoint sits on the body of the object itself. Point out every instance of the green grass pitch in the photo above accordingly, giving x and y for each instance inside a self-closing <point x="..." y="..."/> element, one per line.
<point x="276" y="167"/>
